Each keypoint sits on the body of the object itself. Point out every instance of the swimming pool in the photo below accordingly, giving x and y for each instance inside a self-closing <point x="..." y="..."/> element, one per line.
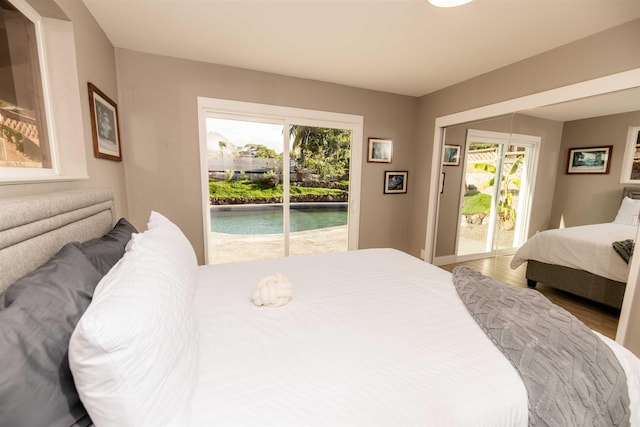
<point x="268" y="219"/>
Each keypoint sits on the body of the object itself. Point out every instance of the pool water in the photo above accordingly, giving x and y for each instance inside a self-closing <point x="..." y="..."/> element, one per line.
<point x="270" y="221"/>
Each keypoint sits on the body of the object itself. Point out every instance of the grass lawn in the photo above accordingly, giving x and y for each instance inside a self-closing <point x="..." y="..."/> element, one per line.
<point x="477" y="204"/>
<point x="259" y="190"/>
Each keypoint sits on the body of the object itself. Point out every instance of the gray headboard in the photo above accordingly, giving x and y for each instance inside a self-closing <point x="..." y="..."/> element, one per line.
<point x="632" y="192"/>
<point x="34" y="228"/>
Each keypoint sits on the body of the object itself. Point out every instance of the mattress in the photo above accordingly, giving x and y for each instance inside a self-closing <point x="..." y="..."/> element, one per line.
<point x="586" y="247"/>
<point x="359" y="344"/>
<point x="372" y="337"/>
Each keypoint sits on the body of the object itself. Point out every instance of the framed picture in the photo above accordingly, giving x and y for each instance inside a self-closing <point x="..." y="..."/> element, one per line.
<point x="104" y="125"/>
<point x="631" y="162"/>
<point x="395" y="182"/>
<point x="380" y="150"/>
<point x="589" y="160"/>
<point x="451" y="155"/>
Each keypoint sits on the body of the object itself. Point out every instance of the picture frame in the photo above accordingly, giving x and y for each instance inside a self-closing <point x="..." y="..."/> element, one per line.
<point x="589" y="160"/>
<point x="105" y="125"/>
<point x="631" y="163"/>
<point x="380" y="150"/>
<point x="451" y="155"/>
<point x="395" y="182"/>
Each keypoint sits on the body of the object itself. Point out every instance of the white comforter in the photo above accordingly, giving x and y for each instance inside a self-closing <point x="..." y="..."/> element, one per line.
<point x="372" y="337"/>
<point x="586" y="247"/>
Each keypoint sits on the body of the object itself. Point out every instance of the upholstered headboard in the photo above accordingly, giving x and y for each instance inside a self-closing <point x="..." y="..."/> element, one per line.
<point x="34" y="228"/>
<point x="631" y="192"/>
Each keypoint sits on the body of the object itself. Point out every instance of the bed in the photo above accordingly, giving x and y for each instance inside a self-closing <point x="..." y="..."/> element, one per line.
<point x="369" y="337"/>
<point x="581" y="260"/>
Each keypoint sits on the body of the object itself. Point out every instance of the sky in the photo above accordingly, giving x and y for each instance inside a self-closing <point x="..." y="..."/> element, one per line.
<point x="242" y="133"/>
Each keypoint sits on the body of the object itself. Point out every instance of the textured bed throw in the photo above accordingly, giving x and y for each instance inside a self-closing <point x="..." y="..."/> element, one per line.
<point x="572" y="377"/>
<point x="624" y="248"/>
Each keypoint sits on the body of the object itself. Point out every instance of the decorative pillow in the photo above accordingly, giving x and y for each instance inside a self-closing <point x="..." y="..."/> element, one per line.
<point x="134" y="353"/>
<point x="161" y="232"/>
<point x="37" y="316"/>
<point x="624" y="248"/>
<point x="628" y="211"/>
<point x="105" y="251"/>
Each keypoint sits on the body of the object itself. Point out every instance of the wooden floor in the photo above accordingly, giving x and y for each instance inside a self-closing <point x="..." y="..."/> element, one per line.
<point x="597" y="316"/>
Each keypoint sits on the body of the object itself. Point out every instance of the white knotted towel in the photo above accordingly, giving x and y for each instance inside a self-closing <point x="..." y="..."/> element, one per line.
<point x="273" y="291"/>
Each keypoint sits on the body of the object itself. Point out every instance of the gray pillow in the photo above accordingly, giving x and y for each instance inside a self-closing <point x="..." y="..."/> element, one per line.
<point x="104" y="252"/>
<point x="38" y="313"/>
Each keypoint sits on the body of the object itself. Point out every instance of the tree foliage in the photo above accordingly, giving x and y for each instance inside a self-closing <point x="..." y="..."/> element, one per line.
<point x="510" y="185"/>
<point x="322" y="151"/>
<point x="259" y="150"/>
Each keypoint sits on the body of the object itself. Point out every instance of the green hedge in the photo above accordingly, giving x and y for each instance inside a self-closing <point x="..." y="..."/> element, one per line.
<point x="259" y="190"/>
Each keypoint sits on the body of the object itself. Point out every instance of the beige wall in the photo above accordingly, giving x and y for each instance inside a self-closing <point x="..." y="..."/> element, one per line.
<point x="172" y="84"/>
<point x="160" y="127"/>
<point x="591" y="199"/>
<point x="602" y="54"/>
<point x="96" y="63"/>
<point x="157" y="105"/>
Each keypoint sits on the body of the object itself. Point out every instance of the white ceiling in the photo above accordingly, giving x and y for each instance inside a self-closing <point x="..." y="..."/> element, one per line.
<point x="401" y="46"/>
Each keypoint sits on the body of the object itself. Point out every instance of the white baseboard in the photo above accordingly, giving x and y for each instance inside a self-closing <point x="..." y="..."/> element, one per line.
<point x="452" y="259"/>
<point x="444" y="260"/>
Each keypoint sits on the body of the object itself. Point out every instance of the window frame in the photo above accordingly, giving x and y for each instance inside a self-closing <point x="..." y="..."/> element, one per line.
<point x="271" y="113"/>
<point x="61" y="96"/>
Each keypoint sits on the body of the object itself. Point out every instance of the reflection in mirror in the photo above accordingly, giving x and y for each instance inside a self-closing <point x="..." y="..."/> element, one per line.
<point x="467" y="196"/>
<point x="558" y="200"/>
<point x="597" y="121"/>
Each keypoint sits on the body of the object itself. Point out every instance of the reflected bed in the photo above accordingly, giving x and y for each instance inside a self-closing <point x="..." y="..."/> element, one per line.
<point x="581" y="260"/>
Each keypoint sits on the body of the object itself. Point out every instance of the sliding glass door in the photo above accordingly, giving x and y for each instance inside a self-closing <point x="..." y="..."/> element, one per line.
<point x="497" y="184"/>
<point x="277" y="186"/>
<point x="319" y="160"/>
<point x="244" y="165"/>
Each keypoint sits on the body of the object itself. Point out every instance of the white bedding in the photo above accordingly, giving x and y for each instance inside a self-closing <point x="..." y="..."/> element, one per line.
<point x="367" y="346"/>
<point x="586" y="247"/>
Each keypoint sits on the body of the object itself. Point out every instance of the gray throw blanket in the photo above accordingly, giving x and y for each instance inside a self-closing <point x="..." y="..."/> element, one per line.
<point x="624" y="248"/>
<point x="572" y="377"/>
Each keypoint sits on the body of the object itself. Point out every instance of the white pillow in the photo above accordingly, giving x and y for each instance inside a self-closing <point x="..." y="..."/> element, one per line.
<point x="162" y="232"/>
<point x="628" y="211"/>
<point x="134" y="352"/>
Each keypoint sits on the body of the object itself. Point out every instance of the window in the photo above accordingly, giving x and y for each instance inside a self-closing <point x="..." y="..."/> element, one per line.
<point x="41" y="133"/>
<point x="276" y="135"/>
<point x="24" y="141"/>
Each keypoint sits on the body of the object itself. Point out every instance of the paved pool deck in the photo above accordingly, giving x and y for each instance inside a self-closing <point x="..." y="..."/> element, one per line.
<point x="224" y="248"/>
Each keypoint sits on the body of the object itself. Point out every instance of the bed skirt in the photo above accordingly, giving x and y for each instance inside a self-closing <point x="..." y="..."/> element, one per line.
<point x="577" y="282"/>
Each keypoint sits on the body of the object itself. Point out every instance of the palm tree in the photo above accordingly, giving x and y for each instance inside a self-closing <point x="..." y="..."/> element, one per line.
<point x="305" y="139"/>
<point x="324" y="150"/>
<point x="510" y="185"/>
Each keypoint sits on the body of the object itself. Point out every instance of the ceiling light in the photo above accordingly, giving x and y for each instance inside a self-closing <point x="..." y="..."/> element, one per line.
<point x="449" y="3"/>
